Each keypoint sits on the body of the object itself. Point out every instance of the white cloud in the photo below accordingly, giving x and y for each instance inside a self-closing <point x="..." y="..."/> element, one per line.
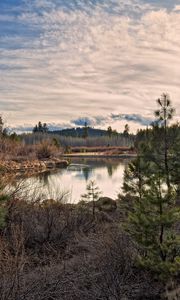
<point x="91" y="62"/>
<point x="177" y="8"/>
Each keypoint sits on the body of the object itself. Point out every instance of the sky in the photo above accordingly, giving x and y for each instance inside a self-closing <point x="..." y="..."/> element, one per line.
<point x="106" y="62"/>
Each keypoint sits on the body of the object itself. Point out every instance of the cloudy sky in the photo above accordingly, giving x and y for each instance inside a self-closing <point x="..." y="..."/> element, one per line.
<point x="104" y="61"/>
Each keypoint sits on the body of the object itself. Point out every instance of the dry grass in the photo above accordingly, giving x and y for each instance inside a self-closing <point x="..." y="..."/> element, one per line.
<point x="18" y="150"/>
<point x="117" y="149"/>
<point x="55" y="251"/>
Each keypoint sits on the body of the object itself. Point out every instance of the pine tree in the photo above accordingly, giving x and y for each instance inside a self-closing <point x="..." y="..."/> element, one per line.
<point x="85" y="130"/>
<point x="3" y="208"/>
<point x="164" y="114"/>
<point x="1" y="125"/>
<point x="45" y="128"/>
<point x="35" y="129"/>
<point x="151" y="224"/>
<point x="154" y="214"/>
<point x="93" y="194"/>
<point x="109" y="131"/>
<point x="40" y="127"/>
<point x="126" y="130"/>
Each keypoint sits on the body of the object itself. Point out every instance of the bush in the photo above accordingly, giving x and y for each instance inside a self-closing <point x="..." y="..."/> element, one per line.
<point x="3" y="207"/>
<point x="51" y="250"/>
<point x="45" y="150"/>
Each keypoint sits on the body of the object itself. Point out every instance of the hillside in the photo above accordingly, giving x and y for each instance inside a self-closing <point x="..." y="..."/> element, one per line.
<point x="79" y="131"/>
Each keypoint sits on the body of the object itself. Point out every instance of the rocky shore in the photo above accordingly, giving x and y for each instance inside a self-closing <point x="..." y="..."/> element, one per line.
<point x="32" y="165"/>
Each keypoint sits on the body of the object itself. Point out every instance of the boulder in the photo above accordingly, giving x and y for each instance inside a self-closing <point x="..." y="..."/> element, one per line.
<point x="61" y="163"/>
<point x="106" y="204"/>
<point x="50" y="164"/>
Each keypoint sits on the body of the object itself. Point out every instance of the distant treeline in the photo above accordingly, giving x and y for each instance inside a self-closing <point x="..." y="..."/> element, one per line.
<point x="70" y="141"/>
<point x="85" y="132"/>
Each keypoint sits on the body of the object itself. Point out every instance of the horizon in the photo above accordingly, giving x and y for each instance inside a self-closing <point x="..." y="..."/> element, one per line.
<point x="91" y="123"/>
<point x="63" y="62"/>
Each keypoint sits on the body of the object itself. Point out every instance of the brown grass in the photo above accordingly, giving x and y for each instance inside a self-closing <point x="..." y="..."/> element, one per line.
<point x="51" y="251"/>
<point x="101" y="149"/>
<point x="18" y="151"/>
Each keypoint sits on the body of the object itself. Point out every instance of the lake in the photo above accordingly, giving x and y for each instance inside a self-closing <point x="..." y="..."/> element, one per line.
<point x="72" y="181"/>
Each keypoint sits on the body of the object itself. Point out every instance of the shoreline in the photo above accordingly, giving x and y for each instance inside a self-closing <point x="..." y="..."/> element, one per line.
<point x="39" y="166"/>
<point x="85" y="155"/>
<point x="34" y="165"/>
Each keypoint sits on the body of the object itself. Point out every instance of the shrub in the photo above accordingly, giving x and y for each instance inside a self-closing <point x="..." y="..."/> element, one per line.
<point x="45" y="150"/>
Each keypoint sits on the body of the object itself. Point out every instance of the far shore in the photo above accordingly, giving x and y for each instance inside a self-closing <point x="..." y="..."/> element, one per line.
<point x="100" y="152"/>
<point x="98" y="155"/>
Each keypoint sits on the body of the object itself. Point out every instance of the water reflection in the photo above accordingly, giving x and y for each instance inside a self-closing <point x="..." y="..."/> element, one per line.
<point x="108" y="174"/>
<point x="43" y="177"/>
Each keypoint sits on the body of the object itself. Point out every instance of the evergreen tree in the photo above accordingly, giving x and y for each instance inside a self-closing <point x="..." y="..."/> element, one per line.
<point x="40" y="127"/>
<point x="3" y="130"/>
<point x="93" y="194"/>
<point x="35" y="129"/>
<point x="109" y="131"/>
<point x="154" y="214"/>
<point x="85" y="130"/>
<point x="3" y="209"/>
<point x="174" y="158"/>
<point x="165" y="113"/>
<point x="45" y="128"/>
<point x="114" y="132"/>
<point x="151" y="219"/>
<point x="136" y="177"/>
<point x="126" y="130"/>
<point x="15" y="137"/>
<point x="1" y="125"/>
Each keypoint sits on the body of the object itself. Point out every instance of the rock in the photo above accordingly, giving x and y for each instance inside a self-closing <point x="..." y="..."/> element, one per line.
<point x="106" y="204"/>
<point x="50" y="164"/>
<point x="61" y="163"/>
<point x="10" y="166"/>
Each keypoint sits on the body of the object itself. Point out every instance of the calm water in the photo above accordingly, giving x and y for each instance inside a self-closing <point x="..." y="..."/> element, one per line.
<point x="107" y="173"/>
